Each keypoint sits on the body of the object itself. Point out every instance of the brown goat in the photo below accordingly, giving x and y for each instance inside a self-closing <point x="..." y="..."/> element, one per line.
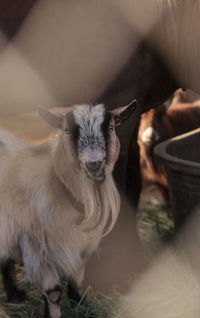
<point x="162" y="123"/>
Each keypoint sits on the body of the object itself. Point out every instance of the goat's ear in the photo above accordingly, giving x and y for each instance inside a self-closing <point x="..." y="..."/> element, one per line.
<point x="52" y="118"/>
<point x="123" y="113"/>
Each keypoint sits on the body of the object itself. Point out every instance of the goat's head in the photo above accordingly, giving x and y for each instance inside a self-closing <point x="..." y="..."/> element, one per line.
<point x="89" y="137"/>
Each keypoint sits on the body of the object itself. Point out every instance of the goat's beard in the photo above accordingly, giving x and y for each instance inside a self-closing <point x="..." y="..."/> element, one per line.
<point x="101" y="203"/>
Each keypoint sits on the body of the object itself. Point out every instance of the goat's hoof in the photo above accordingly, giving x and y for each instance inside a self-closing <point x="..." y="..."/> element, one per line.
<point x="17" y="296"/>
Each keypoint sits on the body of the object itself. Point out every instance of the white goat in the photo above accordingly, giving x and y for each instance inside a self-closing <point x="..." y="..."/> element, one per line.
<point x="58" y="199"/>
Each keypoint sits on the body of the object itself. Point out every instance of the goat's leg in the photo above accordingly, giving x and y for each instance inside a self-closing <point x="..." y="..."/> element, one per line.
<point x="74" y="290"/>
<point x="49" y="284"/>
<point x="10" y="282"/>
<point x="43" y="276"/>
<point x="73" y="293"/>
<point x="52" y="299"/>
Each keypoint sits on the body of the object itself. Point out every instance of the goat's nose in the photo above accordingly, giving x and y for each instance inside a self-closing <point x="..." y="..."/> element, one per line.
<point x="93" y="165"/>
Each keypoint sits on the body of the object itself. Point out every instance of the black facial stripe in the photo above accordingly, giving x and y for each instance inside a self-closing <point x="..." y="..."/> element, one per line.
<point x="73" y="128"/>
<point x="105" y="127"/>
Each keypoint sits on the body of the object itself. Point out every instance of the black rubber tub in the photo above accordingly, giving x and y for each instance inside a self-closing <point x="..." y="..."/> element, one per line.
<point x="181" y="159"/>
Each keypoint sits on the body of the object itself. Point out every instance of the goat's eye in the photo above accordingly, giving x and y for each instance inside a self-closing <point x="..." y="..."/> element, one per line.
<point x="67" y="130"/>
<point x="110" y="129"/>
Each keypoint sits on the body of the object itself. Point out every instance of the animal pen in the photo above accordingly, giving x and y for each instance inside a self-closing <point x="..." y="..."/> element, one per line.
<point x="89" y="217"/>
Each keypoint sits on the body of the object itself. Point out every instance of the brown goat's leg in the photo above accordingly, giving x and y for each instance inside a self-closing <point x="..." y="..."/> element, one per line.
<point x="10" y="282"/>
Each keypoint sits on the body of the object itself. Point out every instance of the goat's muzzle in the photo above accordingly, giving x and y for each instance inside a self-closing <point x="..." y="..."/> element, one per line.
<point x="95" y="170"/>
